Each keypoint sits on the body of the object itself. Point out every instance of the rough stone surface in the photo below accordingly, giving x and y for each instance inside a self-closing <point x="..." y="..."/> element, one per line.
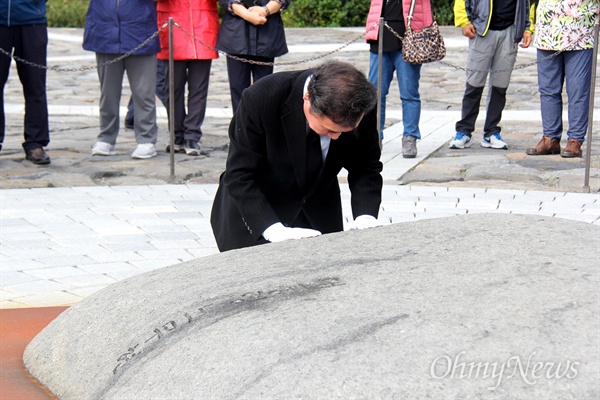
<point x="478" y="306"/>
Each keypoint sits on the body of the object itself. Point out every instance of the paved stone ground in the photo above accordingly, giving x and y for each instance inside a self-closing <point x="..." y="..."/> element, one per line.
<point x="74" y="94"/>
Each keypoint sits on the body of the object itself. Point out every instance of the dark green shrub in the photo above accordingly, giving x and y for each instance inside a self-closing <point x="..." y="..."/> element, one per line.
<point x="301" y="13"/>
<point x="330" y="13"/>
<point x="310" y="13"/>
<point x="444" y="11"/>
<point x="67" y="13"/>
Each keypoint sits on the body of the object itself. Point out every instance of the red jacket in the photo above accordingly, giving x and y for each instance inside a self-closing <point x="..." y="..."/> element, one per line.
<point x="422" y="16"/>
<point x="198" y="18"/>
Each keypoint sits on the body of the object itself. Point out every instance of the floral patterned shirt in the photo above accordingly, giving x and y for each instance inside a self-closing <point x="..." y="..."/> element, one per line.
<point x="565" y="24"/>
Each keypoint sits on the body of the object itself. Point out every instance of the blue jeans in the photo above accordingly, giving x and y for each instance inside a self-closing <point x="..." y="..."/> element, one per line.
<point x="574" y="67"/>
<point x="408" y="76"/>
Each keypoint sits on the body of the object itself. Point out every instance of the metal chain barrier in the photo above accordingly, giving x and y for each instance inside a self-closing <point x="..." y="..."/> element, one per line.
<point x="272" y="64"/>
<point x="234" y="57"/>
<point x="447" y="64"/>
<point x="58" y="69"/>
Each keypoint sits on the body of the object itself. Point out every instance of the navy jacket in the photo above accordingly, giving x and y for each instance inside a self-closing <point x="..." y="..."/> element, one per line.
<point x="236" y="36"/>
<point x="22" y="12"/>
<point x="118" y="26"/>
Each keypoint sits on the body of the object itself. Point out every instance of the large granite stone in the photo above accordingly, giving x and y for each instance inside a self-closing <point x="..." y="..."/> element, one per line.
<point x="480" y="306"/>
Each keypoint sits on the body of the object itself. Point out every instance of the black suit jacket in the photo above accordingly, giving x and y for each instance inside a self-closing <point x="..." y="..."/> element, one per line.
<point x="265" y="177"/>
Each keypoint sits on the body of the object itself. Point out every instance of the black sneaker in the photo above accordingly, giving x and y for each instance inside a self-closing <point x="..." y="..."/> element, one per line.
<point x="128" y="123"/>
<point x="178" y="146"/>
<point x="192" y="148"/>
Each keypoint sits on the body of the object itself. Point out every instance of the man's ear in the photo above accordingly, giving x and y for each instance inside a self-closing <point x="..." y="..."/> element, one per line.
<point x="305" y="97"/>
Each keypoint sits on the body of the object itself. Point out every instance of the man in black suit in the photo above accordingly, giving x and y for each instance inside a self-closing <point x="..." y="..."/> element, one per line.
<point x="292" y="134"/>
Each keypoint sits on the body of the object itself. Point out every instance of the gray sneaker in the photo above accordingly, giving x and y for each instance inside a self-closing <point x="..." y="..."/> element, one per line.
<point x="103" y="149"/>
<point x="409" y="146"/>
<point x="144" y="150"/>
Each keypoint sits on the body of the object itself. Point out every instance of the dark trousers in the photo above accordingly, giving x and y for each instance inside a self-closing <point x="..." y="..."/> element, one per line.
<point x="196" y="73"/>
<point x="241" y="75"/>
<point x="470" y="110"/>
<point x="29" y="43"/>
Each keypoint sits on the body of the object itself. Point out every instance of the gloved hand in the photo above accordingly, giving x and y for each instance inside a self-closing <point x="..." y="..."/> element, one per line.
<point x="364" y="222"/>
<point x="278" y="233"/>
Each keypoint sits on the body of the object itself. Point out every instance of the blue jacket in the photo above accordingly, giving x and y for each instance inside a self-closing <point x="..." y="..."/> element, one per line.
<point x="119" y="26"/>
<point x="22" y="12"/>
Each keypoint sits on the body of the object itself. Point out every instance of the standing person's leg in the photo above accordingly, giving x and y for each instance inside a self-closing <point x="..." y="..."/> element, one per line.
<point x="129" y="117"/>
<point x="162" y="67"/>
<point x="239" y="74"/>
<point x="408" y="76"/>
<point x="31" y="44"/>
<point x="481" y="50"/>
<point x="578" y="73"/>
<point x="551" y="77"/>
<point x="503" y="63"/>
<point x="6" y="44"/>
<point x="198" y="78"/>
<point x="111" y="84"/>
<point x="180" y="77"/>
<point x="387" y="74"/>
<point x="161" y="92"/>
<point x="260" y="71"/>
<point x="141" y="72"/>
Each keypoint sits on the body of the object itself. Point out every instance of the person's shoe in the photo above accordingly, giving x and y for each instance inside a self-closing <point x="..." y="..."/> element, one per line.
<point x="37" y="156"/>
<point x="572" y="149"/>
<point x="103" y="149"/>
<point x="144" y="150"/>
<point x="409" y="146"/>
<point x="493" y="141"/>
<point x="545" y="146"/>
<point x="178" y="145"/>
<point x="128" y="123"/>
<point x="192" y="148"/>
<point x="461" y="141"/>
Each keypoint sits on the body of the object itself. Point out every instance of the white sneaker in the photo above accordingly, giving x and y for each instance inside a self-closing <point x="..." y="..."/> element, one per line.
<point x="103" y="149"/>
<point x="144" y="150"/>
<point x="460" y="141"/>
<point x="494" y="141"/>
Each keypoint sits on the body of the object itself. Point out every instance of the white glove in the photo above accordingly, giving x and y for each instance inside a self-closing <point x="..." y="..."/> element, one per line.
<point x="365" y="222"/>
<point x="278" y="233"/>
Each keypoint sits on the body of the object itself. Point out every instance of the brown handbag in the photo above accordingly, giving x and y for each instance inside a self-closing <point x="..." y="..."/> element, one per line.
<point x="424" y="46"/>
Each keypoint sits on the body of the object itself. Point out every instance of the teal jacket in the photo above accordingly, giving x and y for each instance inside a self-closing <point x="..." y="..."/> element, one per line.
<point x="479" y="13"/>
<point x="22" y="12"/>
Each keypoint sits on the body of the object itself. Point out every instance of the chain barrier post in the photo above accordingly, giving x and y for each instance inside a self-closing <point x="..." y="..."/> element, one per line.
<point x="379" y="75"/>
<point x="171" y="104"/>
<point x="588" y="148"/>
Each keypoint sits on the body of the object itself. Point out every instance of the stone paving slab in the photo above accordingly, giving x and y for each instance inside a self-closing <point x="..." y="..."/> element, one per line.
<point x="49" y="255"/>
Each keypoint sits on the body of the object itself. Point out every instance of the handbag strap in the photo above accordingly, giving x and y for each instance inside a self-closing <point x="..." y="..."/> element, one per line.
<point x="412" y="10"/>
